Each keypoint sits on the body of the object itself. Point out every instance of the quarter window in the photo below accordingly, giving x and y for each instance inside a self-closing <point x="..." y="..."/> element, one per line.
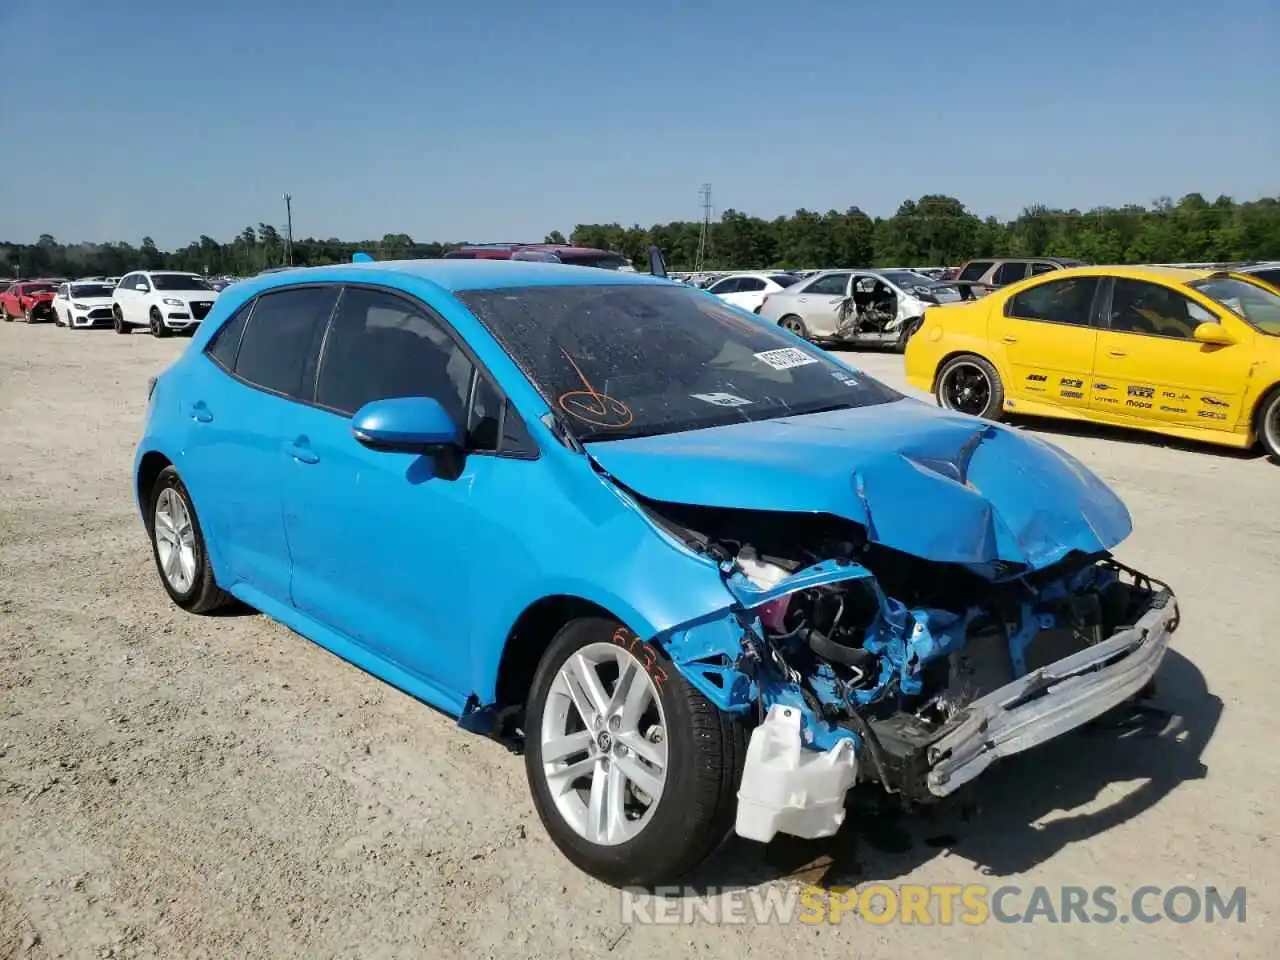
<point x="1009" y="273"/>
<point x="279" y="347"/>
<point x="1039" y="268"/>
<point x="1141" y="307"/>
<point x="831" y="285"/>
<point x="381" y="346"/>
<point x="1057" y="301"/>
<point x="974" y="270"/>
<point x="225" y="343"/>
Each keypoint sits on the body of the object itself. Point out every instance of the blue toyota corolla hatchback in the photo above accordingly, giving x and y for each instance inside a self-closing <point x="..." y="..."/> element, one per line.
<point x="704" y="576"/>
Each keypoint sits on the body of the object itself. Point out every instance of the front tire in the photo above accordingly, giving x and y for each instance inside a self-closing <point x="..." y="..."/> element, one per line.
<point x="969" y="384"/>
<point x="178" y="546"/>
<point x="1269" y="425"/>
<point x="117" y="320"/>
<point x="158" y="329"/>
<point x="26" y="315"/>
<point x="633" y="772"/>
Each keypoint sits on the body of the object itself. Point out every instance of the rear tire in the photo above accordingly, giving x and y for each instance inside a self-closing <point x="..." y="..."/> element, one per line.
<point x="794" y="324"/>
<point x="703" y="752"/>
<point x="969" y="384"/>
<point x="195" y="590"/>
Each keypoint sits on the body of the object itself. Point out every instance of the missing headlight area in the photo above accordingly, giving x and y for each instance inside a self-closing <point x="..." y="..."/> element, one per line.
<point x="863" y="663"/>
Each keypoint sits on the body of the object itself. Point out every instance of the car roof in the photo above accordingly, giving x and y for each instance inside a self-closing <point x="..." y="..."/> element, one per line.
<point x="455" y="275"/>
<point x="1134" y="272"/>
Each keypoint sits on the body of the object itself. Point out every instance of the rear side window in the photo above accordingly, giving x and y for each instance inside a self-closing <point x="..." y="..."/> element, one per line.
<point x="1059" y="301"/>
<point x="832" y="285"/>
<point x="279" y="347"/>
<point x="224" y="344"/>
<point x="974" y="270"/>
<point x="1009" y="273"/>
<point x="1270" y="276"/>
<point x="1039" y="268"/>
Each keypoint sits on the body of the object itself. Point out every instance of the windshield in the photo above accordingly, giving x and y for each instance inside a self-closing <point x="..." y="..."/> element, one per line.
<point x="628" y="360"/>
<point x="91" y="290"/>
<point x="1256" y="304"/>
<point x="178" y="281"/>
<point x="784" y="279"/>
<point x="607" y="261"/>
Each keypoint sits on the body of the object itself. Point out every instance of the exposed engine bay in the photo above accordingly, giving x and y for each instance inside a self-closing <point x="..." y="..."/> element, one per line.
<point x="852" y="640"/>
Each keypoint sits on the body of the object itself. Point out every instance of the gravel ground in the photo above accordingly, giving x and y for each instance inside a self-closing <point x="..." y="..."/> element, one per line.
<point x="178" y="786"/>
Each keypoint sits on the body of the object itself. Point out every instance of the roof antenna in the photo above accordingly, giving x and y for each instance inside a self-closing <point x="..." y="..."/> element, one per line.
<point x="361" y="258"/>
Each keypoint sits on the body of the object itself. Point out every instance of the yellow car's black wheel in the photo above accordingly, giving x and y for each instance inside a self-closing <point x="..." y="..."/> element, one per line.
<point x="969" y="384"/>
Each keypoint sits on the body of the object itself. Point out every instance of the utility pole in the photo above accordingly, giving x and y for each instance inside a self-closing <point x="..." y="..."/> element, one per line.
<point x="704" y="236"/>
<point x="288" y="230"/>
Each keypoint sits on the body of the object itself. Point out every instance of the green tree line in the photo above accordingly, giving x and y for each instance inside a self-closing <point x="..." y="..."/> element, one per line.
<point x="935" y="230"/>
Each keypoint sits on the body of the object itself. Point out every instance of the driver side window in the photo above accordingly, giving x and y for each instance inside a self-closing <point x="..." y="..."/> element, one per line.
<point x="1155" y="310"/>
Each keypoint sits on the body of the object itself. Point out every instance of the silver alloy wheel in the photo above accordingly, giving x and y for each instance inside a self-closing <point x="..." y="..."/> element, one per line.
<point x="604" y="744"/>
<point x="1271" y="425"/>
<point x="175" y="540"/>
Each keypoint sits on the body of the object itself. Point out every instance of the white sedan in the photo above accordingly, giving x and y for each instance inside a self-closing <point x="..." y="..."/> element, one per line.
<point x="748" y="290"/>
<point x="164" y="301"/>
<point x="83" y="303"/>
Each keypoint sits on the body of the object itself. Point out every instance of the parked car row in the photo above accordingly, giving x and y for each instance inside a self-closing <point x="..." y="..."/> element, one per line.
<point x="165" y="302"/>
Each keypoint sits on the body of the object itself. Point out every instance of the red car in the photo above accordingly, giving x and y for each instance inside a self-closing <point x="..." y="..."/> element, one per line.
<point x="552" y="252"/>
<point x="32" y="300"/>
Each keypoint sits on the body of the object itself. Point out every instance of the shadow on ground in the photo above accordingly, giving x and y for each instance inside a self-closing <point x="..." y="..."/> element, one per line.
<point x="1051" y="426"/>
<point x="1000" y="826"/>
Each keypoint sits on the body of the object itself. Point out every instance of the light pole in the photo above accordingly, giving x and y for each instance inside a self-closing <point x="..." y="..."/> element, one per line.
<point x="288" y="229"/>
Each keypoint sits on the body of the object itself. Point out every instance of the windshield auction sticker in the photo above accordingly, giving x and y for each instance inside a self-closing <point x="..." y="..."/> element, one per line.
<point x="786" y="358"/>
<point x="722" y="399"/>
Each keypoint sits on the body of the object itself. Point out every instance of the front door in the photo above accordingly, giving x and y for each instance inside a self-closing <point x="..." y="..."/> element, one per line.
<point x="1047" y="335"/>
<point x="382" y="542"/>
<point x="1149" y="365"/>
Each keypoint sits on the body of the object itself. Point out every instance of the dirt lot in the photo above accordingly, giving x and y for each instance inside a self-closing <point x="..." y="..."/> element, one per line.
<point x="176" y="786"/>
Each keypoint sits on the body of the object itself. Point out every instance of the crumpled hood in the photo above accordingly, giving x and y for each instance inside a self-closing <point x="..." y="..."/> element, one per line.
<point x="935" y="484"/>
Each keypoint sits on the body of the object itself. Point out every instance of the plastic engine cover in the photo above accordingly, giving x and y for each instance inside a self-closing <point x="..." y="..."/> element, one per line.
<point x="788" y="789"/>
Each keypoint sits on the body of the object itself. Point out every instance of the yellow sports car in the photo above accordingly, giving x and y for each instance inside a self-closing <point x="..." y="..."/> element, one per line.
<point x="1190" y="353"/>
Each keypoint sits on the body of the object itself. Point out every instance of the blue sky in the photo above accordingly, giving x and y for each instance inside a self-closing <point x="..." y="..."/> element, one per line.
<point x="505" y="119"/>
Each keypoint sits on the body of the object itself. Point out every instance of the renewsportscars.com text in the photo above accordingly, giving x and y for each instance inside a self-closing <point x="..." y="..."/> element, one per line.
<point x="929" y="904"/>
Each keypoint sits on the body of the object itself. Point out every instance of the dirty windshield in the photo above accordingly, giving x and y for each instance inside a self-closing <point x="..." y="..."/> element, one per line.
<point x="618" y="361"/>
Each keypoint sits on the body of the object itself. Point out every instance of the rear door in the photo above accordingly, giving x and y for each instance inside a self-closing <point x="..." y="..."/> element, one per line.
<point x="1048" y="335"/>
<point x="1149" y="366"/>
<point x="822" y="304"/>
<point x="242" y="404"/>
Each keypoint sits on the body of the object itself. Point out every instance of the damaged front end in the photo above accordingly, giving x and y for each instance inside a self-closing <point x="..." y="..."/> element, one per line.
<point x="861" y="663"/>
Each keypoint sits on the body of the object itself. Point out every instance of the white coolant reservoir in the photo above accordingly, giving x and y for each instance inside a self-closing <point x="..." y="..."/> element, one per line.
<point x="788" y="789"/>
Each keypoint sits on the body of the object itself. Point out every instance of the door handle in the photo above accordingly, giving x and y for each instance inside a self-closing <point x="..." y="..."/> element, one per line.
<point x="1116" y="353"/>
<point x="301" y="451"/>
<point x="1009" y="339"/>
<point x="200" y="413"/>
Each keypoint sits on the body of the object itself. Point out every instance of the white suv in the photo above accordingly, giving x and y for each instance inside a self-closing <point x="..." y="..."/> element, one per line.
<point x="165" y="301"/>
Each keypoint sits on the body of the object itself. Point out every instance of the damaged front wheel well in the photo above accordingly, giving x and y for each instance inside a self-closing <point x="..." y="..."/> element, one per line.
<point x="529" y="638"/>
